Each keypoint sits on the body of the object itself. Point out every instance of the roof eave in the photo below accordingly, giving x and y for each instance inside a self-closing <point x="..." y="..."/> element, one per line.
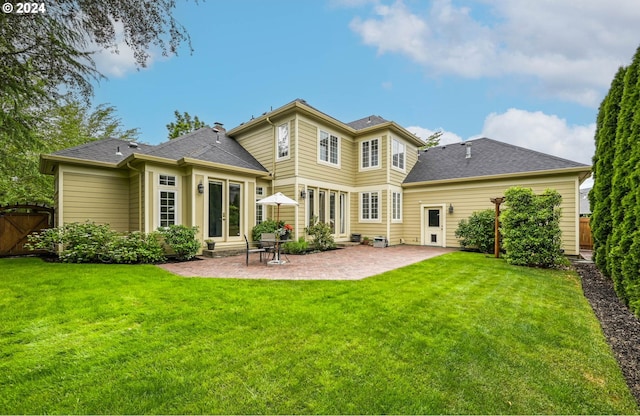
<point x="583" y="173"/>
<point x="48" y="163"/>
<point x="398" y="129"/>
<point x="221" y="166"/>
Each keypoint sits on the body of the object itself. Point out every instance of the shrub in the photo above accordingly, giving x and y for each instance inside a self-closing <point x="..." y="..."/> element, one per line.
<point x="135" y="247"/>
<point x="296" y="247"/>
<point x="478" y="232"/>
<point x="267" y="226"/>
<point x="92" y="243"/>
<point x="321" y="234"/>
<point x="79" y="242"/>
<point x="182" y="240"/>
<point x="531" y="228"/>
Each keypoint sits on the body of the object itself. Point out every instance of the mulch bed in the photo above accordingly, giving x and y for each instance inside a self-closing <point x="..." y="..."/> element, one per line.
<point x="620" y="326"/>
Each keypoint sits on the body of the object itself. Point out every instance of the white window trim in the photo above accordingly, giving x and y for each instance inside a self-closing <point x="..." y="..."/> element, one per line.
<point x="288" y="156"/>
<point x="404" y="159"/>
<point x="399" y="218"/>
<point x="360" y="207"/>
<point x="168" y="188"/>
<point x="260" y="191"/>
<point x="327" y="162"/>
<point x="370" y="167"/>
<point x="177" y="206"/>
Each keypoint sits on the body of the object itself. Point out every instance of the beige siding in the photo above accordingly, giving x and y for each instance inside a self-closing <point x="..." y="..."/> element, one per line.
<point x="308" y="165"/>
<point x="285" y="168"/>
<point x="371" y="176"/>
<point x="134" y="202"/>
<point x="97" y="195"/>
<point x="261" y="144"/>
<point x="369" y="228"/>
<point x="469" y="197"/>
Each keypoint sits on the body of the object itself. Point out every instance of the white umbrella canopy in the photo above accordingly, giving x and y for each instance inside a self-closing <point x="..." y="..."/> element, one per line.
<point x="277" y="199"/>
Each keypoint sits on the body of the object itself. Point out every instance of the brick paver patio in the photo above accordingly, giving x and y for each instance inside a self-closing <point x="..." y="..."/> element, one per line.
<point x="350" y="263"/>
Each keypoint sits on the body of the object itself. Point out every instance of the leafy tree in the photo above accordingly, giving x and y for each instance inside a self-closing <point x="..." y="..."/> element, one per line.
<point x="184" y="124"/>
<point x="600" y="194"/>
<point x="432" y="141"/>
<point x="531" y="228"/>
<point x="45" y="55"/>
<point x="478" y="232"/>
<point x="60" y="126"/>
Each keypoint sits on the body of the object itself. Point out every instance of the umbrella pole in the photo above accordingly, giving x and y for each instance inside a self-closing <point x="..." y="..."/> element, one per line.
<point x="278" y="237"/>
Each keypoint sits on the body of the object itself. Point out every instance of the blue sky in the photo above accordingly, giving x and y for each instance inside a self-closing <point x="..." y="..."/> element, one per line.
<point x="531" y="73"/>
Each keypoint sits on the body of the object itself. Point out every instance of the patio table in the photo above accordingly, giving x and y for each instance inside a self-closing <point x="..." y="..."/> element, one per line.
<point x="277" y="244"/>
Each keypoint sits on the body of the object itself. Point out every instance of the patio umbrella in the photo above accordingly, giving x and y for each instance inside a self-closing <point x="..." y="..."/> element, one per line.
<point x="277" y="199"/>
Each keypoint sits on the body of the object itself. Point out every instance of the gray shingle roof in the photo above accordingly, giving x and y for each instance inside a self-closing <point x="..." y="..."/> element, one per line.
<point x="488" y="157"/>
<point x="201" y="144"/>
<point x="365" y="122"/>
<point x="104" y="150"/>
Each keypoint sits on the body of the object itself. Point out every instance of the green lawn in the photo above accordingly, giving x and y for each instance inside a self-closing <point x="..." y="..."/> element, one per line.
<point x="460" y="333"/>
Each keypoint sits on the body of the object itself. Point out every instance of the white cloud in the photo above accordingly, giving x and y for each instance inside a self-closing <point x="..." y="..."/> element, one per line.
<point x="572" y="48"/>
<point x="120" y="60"/>
<point x="542" y="132"/>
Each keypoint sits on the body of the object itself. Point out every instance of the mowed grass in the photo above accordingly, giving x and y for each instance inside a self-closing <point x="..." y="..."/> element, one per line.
<point x="460" y="333"/>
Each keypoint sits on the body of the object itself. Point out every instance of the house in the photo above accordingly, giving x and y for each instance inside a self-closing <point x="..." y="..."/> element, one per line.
<point x="367" y="177"/>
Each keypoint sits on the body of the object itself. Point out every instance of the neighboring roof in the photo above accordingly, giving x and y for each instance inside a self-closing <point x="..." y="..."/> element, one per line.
<point x="488" y="158"/>
<point x="365" y="122"/>
<point x="105" y="150"/>
<point x="206" y="145"/>
<point x="585" y="204"/>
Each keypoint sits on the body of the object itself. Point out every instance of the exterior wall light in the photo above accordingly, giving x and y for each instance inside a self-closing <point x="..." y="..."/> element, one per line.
<point x="450" y="208"/>
<point x="200" y="188"/>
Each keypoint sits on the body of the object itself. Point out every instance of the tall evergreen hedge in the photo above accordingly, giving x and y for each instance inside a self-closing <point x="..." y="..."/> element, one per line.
<point x="600" y="195"/>
<point x="615" y="196"/>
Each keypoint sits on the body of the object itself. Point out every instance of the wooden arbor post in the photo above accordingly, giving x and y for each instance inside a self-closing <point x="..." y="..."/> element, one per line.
<point x="497" y="202"/>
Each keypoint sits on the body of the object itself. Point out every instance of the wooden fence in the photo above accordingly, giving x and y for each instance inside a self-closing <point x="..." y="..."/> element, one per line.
<point x="586" y="241"/>
<point x="17" y="222"/>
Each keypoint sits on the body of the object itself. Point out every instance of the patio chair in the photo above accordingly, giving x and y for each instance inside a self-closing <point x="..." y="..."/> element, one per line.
<point x="268" y="242"/>
<point x="253" y="250"/>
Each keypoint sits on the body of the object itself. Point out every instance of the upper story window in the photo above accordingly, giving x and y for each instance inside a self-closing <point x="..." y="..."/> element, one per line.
<point x="167" y="180"/>
<point x="283" y="141"/>
<point x="397" y="154"/>
<point x="369" y="151"/>
<point x="329" y="148"/>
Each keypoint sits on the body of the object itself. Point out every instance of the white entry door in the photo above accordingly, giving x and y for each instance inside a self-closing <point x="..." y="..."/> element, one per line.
<point x="433" y="229"/>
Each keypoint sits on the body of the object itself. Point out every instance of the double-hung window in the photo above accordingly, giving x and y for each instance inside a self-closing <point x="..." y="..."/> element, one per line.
<point x="369" y="206"/>
<point x="168" y="201"/>
<point x="369" y="153"/>
<point x="397" y="153"/>
<point x="329" y="148"/>
<point x="396" y="206"/>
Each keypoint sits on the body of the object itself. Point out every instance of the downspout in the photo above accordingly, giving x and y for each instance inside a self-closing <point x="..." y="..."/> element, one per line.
<point x="140" y="208"/>
<point x="273" y="164"/>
